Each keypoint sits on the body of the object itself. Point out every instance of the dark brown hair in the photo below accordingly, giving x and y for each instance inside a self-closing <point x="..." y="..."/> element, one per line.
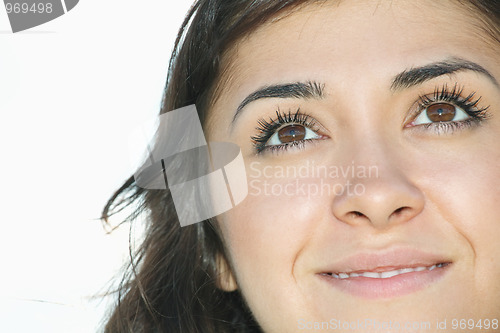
<point x="171" y="282"/>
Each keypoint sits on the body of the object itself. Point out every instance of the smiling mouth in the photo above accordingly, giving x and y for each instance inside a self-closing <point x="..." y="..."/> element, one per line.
<point x="394" y="272"/>
<point x="385" y="273"/>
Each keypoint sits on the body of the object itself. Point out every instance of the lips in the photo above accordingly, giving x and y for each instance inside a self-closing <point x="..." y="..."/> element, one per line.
<point x="385" y="274"/>
<point x="391" y="273"/>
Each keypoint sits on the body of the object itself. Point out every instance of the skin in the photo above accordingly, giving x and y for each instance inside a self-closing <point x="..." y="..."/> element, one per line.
<point x="434" y="191"/>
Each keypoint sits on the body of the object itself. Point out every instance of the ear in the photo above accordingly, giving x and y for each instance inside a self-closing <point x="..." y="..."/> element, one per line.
<point x="225" y="277"/>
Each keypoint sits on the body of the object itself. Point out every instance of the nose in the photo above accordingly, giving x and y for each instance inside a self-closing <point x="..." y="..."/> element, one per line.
<point x="382" y="198"/>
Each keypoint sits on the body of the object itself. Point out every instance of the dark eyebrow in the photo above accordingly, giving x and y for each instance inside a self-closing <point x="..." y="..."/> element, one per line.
<point x="417" y="75"/>
<point x="309" y="89"/>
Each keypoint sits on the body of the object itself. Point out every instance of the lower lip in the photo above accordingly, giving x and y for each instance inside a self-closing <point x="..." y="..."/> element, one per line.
<point x="398" y="285"/>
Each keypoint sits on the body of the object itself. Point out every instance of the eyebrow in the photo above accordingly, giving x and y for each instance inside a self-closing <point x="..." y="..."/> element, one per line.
<point x="418" y="75"/>
<point x="305" y="90"/>
<point x="404" y="80"/>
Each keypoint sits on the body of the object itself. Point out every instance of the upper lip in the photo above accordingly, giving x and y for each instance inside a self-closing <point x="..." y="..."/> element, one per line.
<point x="388" y="260"/>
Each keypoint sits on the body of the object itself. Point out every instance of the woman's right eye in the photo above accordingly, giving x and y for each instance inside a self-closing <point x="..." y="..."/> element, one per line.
<point x="287" y="130"/>
<point x="292" y="134"/>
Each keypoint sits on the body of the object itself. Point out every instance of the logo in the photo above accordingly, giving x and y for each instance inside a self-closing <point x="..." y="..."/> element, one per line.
<point x="204" y="179"/>
<point x="26" y="14"/>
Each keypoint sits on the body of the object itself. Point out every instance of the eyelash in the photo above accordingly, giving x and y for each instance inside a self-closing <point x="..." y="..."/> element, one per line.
<point x="267" y="128"/>
<point x="468" y="104"/>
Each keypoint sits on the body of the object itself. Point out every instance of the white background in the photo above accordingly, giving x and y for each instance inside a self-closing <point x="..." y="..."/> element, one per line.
<point x="71" y="91"/>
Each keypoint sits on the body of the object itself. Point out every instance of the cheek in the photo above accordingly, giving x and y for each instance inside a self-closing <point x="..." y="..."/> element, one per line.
<point x="272" y="222"/>
<point x="264" y="236"/>
<point x="465" y="191"/>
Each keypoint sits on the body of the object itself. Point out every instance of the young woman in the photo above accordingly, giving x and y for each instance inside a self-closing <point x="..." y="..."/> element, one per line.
<point x="370" y="132"/>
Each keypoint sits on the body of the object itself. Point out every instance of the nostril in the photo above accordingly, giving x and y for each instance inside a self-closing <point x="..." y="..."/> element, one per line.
<point x="400" y="211"/>
<point x="357" y="214"/>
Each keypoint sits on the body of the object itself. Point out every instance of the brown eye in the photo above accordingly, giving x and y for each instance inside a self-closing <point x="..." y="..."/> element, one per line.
<point x="292" y="133"/>
<point x="441" y="112"/>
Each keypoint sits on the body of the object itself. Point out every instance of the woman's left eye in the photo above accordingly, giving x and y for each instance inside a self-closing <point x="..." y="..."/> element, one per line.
<point x="291" y="134"/>
<point x="440" y="113"/>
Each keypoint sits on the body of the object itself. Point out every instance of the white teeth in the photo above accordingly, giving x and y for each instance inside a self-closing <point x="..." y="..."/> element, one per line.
<point x="373" y="275"/>
<point x="385" y="275"/>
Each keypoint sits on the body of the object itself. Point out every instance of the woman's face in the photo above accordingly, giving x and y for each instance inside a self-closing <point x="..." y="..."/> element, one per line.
<point x="371" y="139"/>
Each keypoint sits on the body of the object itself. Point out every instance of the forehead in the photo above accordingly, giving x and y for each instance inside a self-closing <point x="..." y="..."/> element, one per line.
<point x="336" y="40"/>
